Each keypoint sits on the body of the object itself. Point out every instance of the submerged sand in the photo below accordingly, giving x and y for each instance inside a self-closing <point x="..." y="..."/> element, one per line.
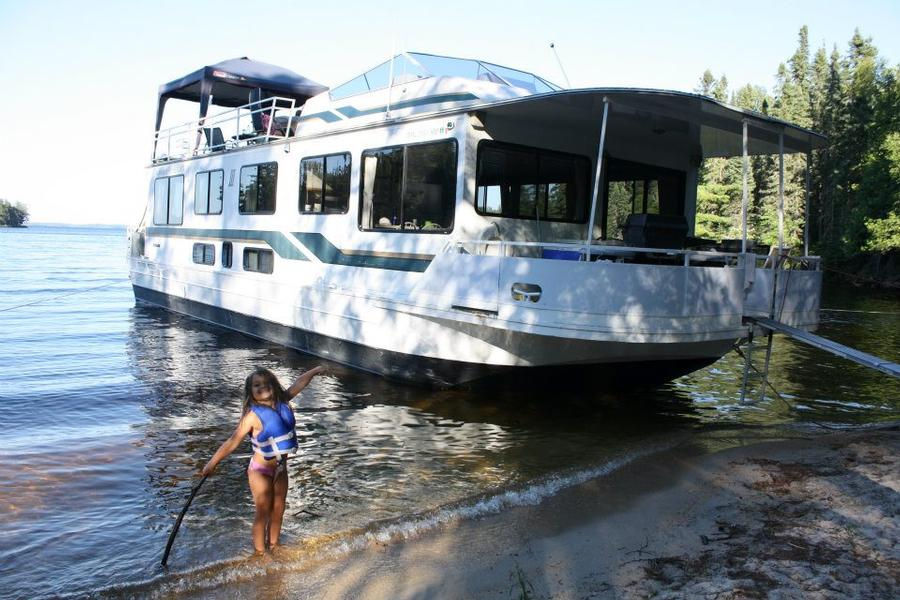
<point x="802" y="518"/>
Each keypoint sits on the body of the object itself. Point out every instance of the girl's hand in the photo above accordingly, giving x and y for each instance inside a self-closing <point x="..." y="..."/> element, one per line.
<point x="208" y="470"/>
<point x="304" y="380"/>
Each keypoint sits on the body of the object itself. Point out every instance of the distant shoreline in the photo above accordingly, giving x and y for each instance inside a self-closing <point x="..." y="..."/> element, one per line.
<point x="94" y="225"/>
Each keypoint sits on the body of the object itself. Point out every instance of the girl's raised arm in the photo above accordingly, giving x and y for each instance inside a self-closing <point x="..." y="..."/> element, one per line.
<point x="244" y="427"/>
<point x="303" y="381"/>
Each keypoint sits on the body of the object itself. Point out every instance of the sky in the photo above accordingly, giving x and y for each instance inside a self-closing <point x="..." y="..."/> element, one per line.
<point x="79" y="79"/>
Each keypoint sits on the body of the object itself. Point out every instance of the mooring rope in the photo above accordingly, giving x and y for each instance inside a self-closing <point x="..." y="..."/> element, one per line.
<point x="49" y="298"/>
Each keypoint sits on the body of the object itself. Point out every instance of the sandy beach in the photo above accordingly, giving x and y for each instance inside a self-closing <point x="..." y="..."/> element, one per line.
<point x="816" y="517"/>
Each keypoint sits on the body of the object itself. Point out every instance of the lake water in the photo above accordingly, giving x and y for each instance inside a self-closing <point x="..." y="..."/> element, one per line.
<point x="109" y="409"/>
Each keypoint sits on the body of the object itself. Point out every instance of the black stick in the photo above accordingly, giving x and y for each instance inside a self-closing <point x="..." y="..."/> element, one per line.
<point x="194" y="491"/>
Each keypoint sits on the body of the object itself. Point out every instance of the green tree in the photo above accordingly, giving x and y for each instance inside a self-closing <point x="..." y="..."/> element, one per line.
<point x="12" y="215"/>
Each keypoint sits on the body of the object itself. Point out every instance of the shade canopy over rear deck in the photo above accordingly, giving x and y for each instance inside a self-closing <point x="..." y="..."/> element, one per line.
<point x="228" y="83"/>
<point x="710" y="128"/>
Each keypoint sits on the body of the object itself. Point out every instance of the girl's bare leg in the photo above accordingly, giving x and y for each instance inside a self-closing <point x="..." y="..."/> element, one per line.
<point x="263" y="494"/>
<point x="278" y="505"/>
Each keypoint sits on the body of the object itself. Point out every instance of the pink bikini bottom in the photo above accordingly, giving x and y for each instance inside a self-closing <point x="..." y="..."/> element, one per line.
<point x="269" y="471"/>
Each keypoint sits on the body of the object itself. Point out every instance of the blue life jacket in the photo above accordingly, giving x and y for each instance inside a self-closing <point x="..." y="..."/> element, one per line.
<point x="277" y="436"/>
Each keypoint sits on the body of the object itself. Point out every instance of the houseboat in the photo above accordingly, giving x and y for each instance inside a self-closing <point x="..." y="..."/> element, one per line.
<point x="442" y="220"/>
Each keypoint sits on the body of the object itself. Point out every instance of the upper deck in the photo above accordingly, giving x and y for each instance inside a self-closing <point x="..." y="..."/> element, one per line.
<point x="422" y="84"/>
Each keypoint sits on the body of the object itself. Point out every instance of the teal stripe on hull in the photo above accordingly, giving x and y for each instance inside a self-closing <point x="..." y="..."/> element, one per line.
<point x="275" y="239"/>
<point x="327" y="252"/>
<point x="316" y="243"/>
<point x="352" y="112"/>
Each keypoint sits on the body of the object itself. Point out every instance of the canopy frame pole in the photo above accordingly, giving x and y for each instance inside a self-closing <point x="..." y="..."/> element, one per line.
<point x="745" y="188"/>
<point x="590" y="224"/>
<point x="387" y="111"/>
<point x="806" y="207"/>
<point x="780" y="192"/>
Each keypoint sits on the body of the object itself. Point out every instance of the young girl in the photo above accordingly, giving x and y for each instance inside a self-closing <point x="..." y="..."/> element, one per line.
<point x="268" y="419"/>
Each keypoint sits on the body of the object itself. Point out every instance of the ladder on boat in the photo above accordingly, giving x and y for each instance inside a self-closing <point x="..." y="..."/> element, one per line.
<point x="751" y="347"/>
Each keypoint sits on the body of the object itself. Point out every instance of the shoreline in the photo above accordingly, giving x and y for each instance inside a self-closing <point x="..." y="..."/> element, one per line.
<point x="814" y="517"/>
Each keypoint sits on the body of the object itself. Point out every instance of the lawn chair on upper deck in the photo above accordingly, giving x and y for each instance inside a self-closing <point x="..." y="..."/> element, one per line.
<point x="215" y="141"/>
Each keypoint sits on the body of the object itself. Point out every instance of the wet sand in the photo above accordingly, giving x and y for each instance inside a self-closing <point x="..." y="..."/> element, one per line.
<point x="816" y="517"/>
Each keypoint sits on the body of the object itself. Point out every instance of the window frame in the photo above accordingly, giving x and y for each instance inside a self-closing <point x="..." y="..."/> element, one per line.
<point x="240" y="189"/>
<point x="258" y="251"/>
<point x="361" y="191"/>
<point x="168" y="179"/>
<point x="588" y="182"/>
<point x="208" y="191"/>
<point x="324" y="158"/>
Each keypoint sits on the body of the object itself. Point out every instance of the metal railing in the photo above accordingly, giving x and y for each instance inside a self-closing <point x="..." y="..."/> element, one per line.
<point x="256" y="122"/>
<point x="579" y="251"/>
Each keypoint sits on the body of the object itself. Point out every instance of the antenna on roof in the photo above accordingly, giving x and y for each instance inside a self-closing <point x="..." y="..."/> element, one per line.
<point x="566" y="77"/>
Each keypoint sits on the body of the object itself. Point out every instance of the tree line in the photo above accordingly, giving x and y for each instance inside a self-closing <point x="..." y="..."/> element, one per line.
<point x="12" y="215"/>
<point x="854" y="197"/>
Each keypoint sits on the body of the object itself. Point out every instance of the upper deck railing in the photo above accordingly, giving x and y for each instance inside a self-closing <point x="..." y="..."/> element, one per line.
<point x="253" y="123"/>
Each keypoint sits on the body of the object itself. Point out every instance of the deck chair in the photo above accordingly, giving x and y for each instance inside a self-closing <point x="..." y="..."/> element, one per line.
<point x="215" y="141"/>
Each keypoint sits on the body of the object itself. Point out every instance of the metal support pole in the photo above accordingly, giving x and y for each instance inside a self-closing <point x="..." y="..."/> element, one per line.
<point x="597" y="179"/>
<point x="746" y="191"/>
<point x="806" y="207"/>
<point x="780" y="192"/>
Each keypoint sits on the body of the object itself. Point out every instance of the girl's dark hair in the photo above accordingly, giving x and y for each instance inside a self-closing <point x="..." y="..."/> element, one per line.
<point x="269" y="377"/>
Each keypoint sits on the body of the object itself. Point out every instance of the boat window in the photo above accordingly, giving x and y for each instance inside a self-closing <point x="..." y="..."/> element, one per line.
<point x="636" y="188"/>
<point x="208" y="190"/>
<point x="204" y="254"/>
<point x="168" y="200"/>
<point x="325" y="184"/>
<point x="409" y="188"/>
<point x="520" y="182"/>
<point x="257" y="191"/>
<point x="258" y="260"/>
<point x="227" y="252"/>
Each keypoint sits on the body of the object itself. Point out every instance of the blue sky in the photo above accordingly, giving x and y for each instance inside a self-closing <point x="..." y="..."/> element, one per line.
<point x="80" y="78"/>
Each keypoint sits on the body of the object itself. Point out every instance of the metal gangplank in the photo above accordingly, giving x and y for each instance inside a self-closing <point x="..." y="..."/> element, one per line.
<point x="867" y="360"/>
<point x="750" y="347"/>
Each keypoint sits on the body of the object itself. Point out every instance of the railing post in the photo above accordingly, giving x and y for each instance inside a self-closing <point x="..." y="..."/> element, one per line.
<point x="780" y="192"/>
<point x="597" y="179"/>
<point x="806" y="208"/>
<point x="745" y="190"/>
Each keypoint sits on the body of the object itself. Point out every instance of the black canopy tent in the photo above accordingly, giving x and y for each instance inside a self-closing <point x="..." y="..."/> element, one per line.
<point x="228" y="83"/>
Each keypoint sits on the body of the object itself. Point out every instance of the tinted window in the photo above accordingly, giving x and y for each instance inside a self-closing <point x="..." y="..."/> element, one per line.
<point x="409" y="188"/>
<point x="204" y="254"/>
<point x="530" y="183"/>
<point x="168" y="200"/>
<point x="258" y="186"/>
<point x="325" y="184"/>
<point x="258" y="260"/>
<point x="227" y="251"/>
<point x="208" y="190"/>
